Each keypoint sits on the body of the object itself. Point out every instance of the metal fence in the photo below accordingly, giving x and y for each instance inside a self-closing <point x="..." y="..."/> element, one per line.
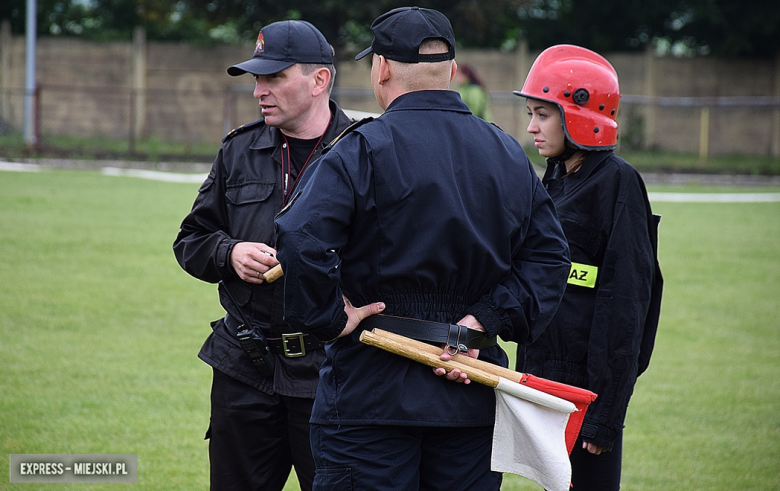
<point x="706" y="125"/>
<point x="102" y="121"/>
<point x="189" y="124"/>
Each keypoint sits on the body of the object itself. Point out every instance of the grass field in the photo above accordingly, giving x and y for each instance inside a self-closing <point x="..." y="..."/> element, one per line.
<point x="99" y="331"/>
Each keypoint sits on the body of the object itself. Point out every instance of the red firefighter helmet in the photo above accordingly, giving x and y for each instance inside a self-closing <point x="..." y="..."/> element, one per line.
<point x="585" y="87"/>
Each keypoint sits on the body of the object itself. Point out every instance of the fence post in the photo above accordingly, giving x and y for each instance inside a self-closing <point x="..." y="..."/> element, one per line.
<point x="650" y="109"/>
<point x="228" y="110"/>
<point x="138" y="84"/>
<point x="37" y="119"/>
<point x="6" y="41"/>
<point x="775" y="136"/>
<point x="704" y="134"/>
<point x="131" y="134"/>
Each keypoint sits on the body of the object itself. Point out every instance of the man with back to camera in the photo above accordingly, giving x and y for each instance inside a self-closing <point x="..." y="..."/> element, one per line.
<point x="437" y="219"/>
<point x="259" y="425"/>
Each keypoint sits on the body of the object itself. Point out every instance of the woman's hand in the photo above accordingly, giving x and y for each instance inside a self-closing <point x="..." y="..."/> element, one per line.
<point x="593" y="448"/>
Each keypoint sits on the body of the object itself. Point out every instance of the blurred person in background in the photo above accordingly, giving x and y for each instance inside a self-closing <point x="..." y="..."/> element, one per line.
<point x="261" y="400"/>
<point x="473" y="91"/>
<point x="602" y="336"/>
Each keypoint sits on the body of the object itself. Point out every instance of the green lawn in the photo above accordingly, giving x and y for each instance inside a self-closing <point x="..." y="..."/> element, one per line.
<point x="99" y="331"/>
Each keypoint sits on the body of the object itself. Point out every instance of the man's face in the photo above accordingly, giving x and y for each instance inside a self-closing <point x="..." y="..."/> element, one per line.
<point x="285" y="98"/>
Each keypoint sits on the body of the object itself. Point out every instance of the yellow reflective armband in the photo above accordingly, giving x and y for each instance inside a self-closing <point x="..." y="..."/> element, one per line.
<point x="583" y="275"/>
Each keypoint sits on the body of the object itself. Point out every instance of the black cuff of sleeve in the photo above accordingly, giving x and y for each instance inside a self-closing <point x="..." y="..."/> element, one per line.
<point x="224" y="250"/>
<point x="488" y="316"/>
<point x="223" y="255"/>
<point x="599" y="435"/>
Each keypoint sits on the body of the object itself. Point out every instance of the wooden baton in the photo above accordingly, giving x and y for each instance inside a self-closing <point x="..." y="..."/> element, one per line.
<point x="460" y="358"/>
<point x="478" y="371"/>
<point x="410" y="350"/>
<point x="273" y="274"/>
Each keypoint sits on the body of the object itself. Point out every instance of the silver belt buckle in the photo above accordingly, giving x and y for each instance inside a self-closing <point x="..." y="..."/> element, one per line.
<point x="286" y="338"/>
<point x="457" y="346"/>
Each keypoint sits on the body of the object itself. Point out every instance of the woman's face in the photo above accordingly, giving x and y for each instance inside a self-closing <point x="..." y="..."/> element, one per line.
<point x="546" y="127"/>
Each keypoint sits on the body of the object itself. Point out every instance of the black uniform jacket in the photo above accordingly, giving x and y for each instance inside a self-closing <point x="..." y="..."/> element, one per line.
<point x="237" y="203"/>
<point x="603" y="333"/>
<point x="438" y="214"/>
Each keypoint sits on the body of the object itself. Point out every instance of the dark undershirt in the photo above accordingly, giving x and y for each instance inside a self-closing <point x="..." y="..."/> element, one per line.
<point x="300" y="151"/>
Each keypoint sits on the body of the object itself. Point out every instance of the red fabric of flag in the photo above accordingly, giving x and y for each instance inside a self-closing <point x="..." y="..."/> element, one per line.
<point x="581" y="398"/>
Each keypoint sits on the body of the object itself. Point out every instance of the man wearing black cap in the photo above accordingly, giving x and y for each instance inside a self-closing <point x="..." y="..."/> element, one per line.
<point x="436" y="219"/>
<point x="260" y="412"/>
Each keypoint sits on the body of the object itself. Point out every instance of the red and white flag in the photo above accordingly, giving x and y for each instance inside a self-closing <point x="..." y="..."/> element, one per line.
<point x="529" y="437"/>
<point x="537" y="420"/>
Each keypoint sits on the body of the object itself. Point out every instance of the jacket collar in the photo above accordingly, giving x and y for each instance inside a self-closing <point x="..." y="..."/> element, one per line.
<point x="589" y="165"/>
<point x="592" y="162"/>
<point x="441" y="100"/>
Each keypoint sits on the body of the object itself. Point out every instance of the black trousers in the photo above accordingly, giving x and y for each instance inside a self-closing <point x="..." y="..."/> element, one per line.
<point x="256" y="439"/>
<point x="596" y="472"/>
<point x="403" y="458"/>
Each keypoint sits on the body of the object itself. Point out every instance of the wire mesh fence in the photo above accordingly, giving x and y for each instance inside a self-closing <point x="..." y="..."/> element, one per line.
<point x="188" y="125"/>
<point x="104" y="122"/>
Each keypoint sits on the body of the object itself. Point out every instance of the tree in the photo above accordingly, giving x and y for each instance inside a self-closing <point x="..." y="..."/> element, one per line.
<point x="95" y="19"/>
<point x="601" y="26"/>
<point x="732" y="27"/>
<point x="346" y="22"/>
<point x="682" y="27"/>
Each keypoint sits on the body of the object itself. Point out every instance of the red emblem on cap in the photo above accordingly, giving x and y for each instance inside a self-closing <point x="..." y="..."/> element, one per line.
<point x="260" y="46"/>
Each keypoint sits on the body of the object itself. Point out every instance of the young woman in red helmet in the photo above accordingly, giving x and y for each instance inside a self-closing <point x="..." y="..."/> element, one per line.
<point x="603" y="333"/>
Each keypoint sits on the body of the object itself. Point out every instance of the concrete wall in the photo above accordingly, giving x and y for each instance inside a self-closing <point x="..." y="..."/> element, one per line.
<point x="173" y="91"/>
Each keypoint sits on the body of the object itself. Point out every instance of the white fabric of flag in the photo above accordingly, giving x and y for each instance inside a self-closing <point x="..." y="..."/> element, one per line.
<point x="529" y="437"/>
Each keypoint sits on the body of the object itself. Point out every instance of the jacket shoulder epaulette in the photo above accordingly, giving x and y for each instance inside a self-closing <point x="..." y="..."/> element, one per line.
<point x="242" y="128"/>
<point x="353" y="126"/>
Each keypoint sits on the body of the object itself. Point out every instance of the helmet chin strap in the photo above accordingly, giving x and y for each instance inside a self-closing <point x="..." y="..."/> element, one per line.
<point x="568" y="151"/>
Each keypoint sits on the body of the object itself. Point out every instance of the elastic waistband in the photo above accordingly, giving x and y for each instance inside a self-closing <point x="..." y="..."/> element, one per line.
<point x="405" y="304"/>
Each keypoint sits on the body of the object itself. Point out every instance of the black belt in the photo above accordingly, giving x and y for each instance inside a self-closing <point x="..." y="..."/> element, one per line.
<point x="453" y="335"/>
<point x="291" y="345"/>
<point x="294" y="344"/>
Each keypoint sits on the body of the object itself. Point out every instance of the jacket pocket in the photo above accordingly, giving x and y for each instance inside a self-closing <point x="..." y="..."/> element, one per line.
<point x="582" y="236"/>
<point x="251" y="211"/>
<point x="334" y="479"/>
<point x="250" y="192"/>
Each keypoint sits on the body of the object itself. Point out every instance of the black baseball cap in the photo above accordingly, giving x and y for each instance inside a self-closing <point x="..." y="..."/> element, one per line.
<point x="283" y="44"/>
<point x="399" y="33"/>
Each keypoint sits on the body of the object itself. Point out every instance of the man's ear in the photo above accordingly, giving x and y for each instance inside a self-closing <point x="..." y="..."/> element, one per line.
<point x="384" y="70"/>
<point x="453" y="70"/>
<point x="321" y="77"/>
